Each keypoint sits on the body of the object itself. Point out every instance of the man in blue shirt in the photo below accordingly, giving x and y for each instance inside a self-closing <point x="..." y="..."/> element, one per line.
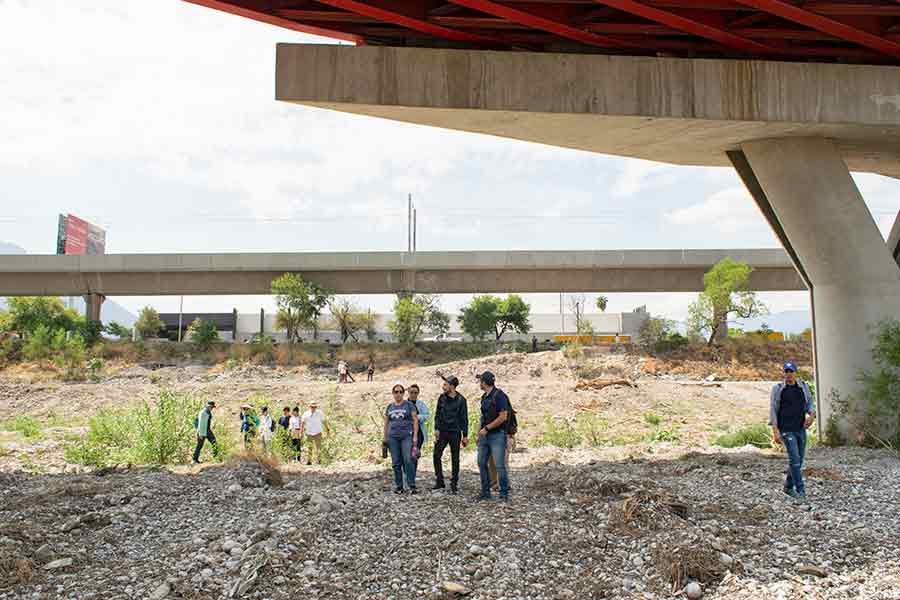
<point x="791" y="413"/>
<point x="492" y="436"/>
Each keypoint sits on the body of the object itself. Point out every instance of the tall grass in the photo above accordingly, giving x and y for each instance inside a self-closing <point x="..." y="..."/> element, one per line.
<point x="28" y="427"/>
<point x="758" y="435"/>
<point x="157" y="433"/>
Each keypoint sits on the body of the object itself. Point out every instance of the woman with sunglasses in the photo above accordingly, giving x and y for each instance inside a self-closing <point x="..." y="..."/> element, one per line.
<point x="401" y="426"/>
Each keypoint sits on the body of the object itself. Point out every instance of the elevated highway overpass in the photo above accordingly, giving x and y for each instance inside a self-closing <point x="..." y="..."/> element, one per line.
<point x="387" y="272"/>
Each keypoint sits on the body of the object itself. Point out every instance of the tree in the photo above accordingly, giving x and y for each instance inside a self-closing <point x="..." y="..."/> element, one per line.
<point x="725" y="293"/>
<point x="203" y="333"/>
<point x="300" y="305"/>
<point x="148" y="323"/>
<point x="118" y="330"/>
<point x="602" y="301"/>
<point x="413" y="314"/>
<point x="658" y="334"/>
<point x="577" y="306"/>
<point x="490" y="314"/>
<point x="349" y="318"/>
<point x="26" y="313"/>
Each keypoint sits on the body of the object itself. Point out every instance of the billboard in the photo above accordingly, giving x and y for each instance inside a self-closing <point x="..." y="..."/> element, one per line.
<point x="77" y="236"/>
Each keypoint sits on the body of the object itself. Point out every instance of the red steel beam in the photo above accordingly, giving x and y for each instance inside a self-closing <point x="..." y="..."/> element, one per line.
<point x="395" y="18"/>
<point x="825" y="25"/>
<point x="537" y="22"/>
<point x="279" y="21"/>
<point x="670" y="19"/>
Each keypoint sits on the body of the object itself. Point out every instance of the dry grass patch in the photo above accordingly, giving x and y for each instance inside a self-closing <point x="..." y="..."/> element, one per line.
<point x="679" y="563"/>
<point x="645" y="509"/>
<point x="15" y="570"/>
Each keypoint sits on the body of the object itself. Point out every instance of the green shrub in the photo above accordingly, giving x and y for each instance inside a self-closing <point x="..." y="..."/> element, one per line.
<point x="559" y="433"/>
<point x="203" y="333"/>
<point x="758" y="435"/>
<point x="155" y="433"/>
<point x="39" y="345"/>
<point x="652" y="419"/>
<point x="28" y="427"/>
<point x="664" y="435"/>
<point x="592" y="428"/>
<point x="69" y="355"/>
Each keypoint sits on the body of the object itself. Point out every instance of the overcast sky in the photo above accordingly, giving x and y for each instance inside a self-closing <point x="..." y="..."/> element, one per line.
<point x="157" y="120"/>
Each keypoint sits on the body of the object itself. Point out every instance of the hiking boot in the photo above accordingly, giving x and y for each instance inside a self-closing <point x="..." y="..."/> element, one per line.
<point x="800" y="498"/>
<point x="453" y="490"/>
<point x="483" y="498"/>
<point x="790" y="492"/>
<point x="398" y="491"/>
<point x="413" y="491"/>
<point x="504" y="499"/>
<point x="437" y="486"/>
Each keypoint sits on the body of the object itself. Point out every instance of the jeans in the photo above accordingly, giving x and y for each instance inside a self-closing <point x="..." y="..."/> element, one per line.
<point x="401" y="460"/>
<point x="199" y="446"/>
<point x="795" y="444"/>
<point x="493" y="445"/>
<point x="492" y="468"/>
<point x="453" y="439"/>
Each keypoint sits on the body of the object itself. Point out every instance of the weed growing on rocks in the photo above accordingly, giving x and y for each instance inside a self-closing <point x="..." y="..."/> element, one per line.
<point x="757" y="435"/>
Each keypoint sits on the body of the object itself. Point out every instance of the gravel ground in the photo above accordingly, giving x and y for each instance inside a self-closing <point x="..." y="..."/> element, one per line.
<point x="615" y="523"/>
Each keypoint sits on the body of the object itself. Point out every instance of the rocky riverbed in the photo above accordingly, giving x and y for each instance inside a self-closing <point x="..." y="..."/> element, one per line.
<point x="581" y="524"/>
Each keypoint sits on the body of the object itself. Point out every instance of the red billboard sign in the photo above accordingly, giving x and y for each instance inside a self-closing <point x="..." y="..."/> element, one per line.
<point x="77" y="236"/>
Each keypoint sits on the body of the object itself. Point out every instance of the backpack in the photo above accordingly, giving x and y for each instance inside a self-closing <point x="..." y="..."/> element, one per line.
<point x="512" y="423"/>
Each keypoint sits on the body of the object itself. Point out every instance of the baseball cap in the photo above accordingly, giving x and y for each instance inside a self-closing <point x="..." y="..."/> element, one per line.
<point x="789" y="366"/>
<point x="487" y="377"/>
<point x="453" y="380"/>
<point x="210" y="402"/>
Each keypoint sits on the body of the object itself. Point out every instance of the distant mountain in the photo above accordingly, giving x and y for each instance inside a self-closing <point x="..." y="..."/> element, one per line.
<point x="109" y="312"/>
<point x="788" y="321"/>
<point x="9" y="248"/>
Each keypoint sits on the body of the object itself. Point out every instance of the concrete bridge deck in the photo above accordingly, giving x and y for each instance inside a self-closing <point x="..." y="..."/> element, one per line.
<point x="388" y="272"/>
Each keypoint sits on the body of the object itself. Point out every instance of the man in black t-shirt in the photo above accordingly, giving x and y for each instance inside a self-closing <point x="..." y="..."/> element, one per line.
<point x="791" y="413"/>
<point x="451" y="427"/>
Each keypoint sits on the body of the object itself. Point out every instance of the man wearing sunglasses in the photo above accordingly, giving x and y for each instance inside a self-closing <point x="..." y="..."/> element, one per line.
<point x="791" y="413"/>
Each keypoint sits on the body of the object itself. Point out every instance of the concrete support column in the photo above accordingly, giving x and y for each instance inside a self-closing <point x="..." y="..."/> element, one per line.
<point x="805" y="190"/>
<point x="92" y="304"/>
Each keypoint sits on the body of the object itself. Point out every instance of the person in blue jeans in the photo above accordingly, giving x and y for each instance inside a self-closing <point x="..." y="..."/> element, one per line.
<point x="791" y="413"/>
<point x="401" y="426"/>
<point x="492" y="436"/>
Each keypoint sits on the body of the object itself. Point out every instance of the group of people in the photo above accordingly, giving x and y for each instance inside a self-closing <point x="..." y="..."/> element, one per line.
<point x="405" y="426"/>
<point x="792" y="412"/>
<point x="344" y="375"/>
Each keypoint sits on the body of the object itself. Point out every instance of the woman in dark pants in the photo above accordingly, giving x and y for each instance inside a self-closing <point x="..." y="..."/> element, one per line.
<point x="401" y="426"/>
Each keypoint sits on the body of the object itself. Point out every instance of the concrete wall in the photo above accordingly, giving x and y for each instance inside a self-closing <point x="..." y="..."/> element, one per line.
<point x="544" y="326"/>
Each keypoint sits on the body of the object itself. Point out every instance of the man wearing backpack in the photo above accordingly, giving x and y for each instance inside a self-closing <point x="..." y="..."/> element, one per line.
<point x="492" y="436"/>
<point x="791" y="413"/>
<point x="203" y="423"/>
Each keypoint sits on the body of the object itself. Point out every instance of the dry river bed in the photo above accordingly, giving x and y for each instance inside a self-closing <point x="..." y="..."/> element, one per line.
<point x="585" y="524"/>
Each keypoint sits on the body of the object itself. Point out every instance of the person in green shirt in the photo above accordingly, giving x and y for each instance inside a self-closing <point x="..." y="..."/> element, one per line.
<point x="205" y="431"/>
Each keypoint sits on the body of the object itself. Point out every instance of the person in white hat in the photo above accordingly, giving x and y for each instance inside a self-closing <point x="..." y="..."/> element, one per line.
<point x="313" y="424"/>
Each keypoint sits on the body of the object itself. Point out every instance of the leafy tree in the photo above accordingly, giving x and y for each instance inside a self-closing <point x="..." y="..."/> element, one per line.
<point x="118" y="330"/>
<point x="300" y="305"/>
<point x="490" y="314"/>
<point x="349" y="319"/>
<point x="654" y="332"/>
<point x="26" y="313"/>
<point x="413" y="314"/>
<point x="371" y="332"/>
<point x="203" y="333"/>
<point x="725" y="293"/>
<point x="602" y="301"/>
<point x="148" y="323"/>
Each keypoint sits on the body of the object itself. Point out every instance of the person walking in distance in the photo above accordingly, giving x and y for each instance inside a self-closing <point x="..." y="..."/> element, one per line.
<point x="791" y="413"/>
<point x="370" y="370"/>
<point x="424" y="414"/>
<point x="451" y="428"/>
<point x="266" y="429"/>
<point x="205" y="431"/>
<point x="492" y="441"/>
<point x="401" y="426"/>
<point x="249" y="425"/>
<point x="296" y="432"/>
<point x="312" y="424"/>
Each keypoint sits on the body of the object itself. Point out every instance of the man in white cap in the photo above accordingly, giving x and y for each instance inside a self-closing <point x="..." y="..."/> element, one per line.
<point x="312" y="423"/>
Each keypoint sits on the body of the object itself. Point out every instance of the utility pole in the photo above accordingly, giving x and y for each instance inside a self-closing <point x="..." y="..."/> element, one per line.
<point x="409" y="223"/>
<point x="414" y="231"/>
<point x="180" y="312"/>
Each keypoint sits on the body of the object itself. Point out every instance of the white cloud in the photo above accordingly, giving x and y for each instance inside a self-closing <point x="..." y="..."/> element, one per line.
<point x="730" y="210"/>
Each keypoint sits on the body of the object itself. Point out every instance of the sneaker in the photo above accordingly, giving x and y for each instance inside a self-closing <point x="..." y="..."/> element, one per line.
<point x="504" y="498"/>
<point x="309" y="463"/>
<point x="438" y="486"/>
<point x="483" y="498"/>
<point x="790" y="492"/>
<point x="413" y="491"/>
<point x="453" y="490"/>
<point x="800" y="498"/>
<point x="398" y="491"/>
